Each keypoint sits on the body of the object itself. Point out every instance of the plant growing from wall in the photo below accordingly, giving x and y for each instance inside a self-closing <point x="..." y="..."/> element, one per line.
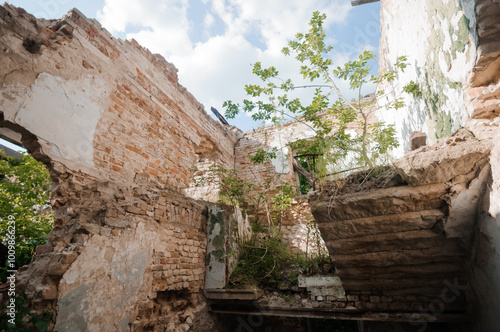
<point x="332" y="119"/>
<point x="313" y="233"/>
<point x="265" y="258"/>
<point x="272" y="196"/>
<point x="24" y="198"/>
<point x="282" y="201"/>
<point x="261" y="259"/>
<point x="232" y="190"/>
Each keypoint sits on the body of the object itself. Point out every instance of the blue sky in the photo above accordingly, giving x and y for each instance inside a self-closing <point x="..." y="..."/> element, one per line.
<point x="214" y="43"/>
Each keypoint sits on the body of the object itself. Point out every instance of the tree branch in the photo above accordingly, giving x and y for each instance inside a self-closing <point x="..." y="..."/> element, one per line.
<point x="309" y="177"/>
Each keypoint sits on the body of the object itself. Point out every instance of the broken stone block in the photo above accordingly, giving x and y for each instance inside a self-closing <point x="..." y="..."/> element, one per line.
<point x="417" y="140"/>
<point x="50" y="293"/>
<point x="44" y="249"/>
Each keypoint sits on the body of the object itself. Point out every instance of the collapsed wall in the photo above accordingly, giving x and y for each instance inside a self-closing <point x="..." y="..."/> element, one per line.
<point x="119" y="136"/>
<point x="297" y="223"/>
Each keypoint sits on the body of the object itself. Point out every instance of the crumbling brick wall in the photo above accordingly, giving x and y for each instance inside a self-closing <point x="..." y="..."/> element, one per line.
<point x="119" y="136"/>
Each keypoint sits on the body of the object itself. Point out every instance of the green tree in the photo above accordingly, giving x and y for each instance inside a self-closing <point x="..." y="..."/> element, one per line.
<point x="24" y="198"/>
<point x="330" y="117"/>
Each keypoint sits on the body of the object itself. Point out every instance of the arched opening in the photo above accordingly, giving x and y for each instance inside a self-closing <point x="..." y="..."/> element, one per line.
<point x="27" y="219"/>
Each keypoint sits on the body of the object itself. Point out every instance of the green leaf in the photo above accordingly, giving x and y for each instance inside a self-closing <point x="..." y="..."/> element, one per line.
<point x="24" y="197"/>
<point x="262" y="156"/>
<point x="413" y="89"/>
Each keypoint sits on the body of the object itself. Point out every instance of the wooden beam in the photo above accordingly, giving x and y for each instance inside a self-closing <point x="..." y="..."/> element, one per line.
<point x="309" y="177"/>
<point x="342" y="314"/>
<point x="362" y="2"/>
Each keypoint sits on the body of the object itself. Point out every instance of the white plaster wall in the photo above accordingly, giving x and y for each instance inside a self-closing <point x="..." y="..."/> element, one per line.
<point x="281" y="137"/>
<point x="64" y="113"/>
<point x="105" y="281"/>
<point x="431" y="34"/>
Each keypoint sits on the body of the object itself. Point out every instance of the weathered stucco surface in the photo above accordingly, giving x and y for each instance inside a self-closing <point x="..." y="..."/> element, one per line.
<point x="440" y="41"/>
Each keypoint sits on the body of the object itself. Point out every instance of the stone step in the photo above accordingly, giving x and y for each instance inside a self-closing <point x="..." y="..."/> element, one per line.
<point x="411" y="240"/>
<point x="401" y="257"/>
<point x="390" y="223"/>
<point x="402" y="271"/>
<point x="380" y="202"/>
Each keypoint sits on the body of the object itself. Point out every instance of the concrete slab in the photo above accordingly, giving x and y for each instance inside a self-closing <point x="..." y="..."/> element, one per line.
<point x="319" y="281"/>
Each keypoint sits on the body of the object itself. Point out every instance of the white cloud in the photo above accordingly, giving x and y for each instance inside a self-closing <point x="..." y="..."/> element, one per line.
<point x="208" y="21"/>
<point x="279" y="21"/>
<point x="163" y="24"/>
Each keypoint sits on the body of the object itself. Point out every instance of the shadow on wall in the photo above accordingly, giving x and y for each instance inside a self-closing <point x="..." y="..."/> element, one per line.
<point x="484" y="293"/>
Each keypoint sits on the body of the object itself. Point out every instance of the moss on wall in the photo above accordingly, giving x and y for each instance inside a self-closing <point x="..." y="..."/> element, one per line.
<point x="220" y="251"/>
<point x="217" y="240"/>
<point x="462" y="36"/>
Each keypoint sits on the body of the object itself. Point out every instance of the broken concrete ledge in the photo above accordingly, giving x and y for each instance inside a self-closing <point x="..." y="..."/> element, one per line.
<point x="319" y="281"/>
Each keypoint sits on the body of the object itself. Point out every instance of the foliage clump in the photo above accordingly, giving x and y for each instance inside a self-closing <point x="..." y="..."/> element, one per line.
<point x="265" y="259"/>
<point x="376" y="178"/>
<point x="24" y="198"/>
<point x="272" y="196"/>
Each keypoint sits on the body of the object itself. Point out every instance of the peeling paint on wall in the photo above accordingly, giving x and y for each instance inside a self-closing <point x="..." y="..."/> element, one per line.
<point x="440" y="44"/>
<point x="66" y="112"/>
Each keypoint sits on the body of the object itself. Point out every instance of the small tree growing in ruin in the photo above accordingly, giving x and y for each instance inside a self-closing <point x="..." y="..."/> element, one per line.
<point x="331" y="118"/>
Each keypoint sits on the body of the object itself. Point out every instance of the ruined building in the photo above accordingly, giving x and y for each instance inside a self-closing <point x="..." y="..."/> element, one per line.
<point x="120" y="137"/>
